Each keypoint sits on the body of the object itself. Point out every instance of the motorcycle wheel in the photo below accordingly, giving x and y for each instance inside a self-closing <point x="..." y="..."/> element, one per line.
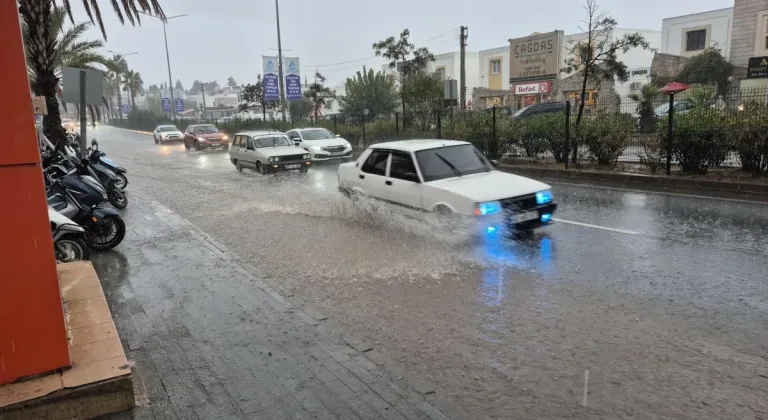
<point x="106" y="235"/>
<point x="71" y="248"/>
<point x="118" y="199"/>
<point x="122" y="181"/>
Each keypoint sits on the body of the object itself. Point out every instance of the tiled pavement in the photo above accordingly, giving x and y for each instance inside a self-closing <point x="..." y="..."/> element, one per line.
<point x="210" y="341"/>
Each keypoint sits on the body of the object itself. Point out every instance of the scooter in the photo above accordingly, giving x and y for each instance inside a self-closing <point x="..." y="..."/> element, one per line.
<point x="98" y="156"/>
<point x="68" y="238"/>
<point x="79" y="198"/>
<point x="107" y="178"/>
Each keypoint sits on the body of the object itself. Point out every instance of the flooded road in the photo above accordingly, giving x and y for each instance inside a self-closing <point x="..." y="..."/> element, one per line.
<point x="631" y="305"/>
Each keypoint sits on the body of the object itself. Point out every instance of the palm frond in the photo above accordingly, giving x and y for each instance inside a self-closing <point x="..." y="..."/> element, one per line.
<point x="123" y="9"/>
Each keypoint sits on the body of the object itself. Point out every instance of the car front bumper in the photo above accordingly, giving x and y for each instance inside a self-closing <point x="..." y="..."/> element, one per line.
<point x="287" y="166"/>
<point x="213" y="144"/>
<point x="323" y="155"/>
<point x="530" y="219"/>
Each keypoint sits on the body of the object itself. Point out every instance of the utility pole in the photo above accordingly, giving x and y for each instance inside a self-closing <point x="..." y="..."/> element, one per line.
<point x="463" y="68"/>
<point x="168" y="58"/>
<point x="280" y="60"/>
<point x="202" y="89"/>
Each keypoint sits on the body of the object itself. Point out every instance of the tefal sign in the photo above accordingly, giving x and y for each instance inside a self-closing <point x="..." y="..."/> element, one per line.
<point x="533" y="88"/>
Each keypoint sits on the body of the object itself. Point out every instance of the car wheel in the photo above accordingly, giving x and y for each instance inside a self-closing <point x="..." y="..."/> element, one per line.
<point x="238" y="166"/>
<point x="155" y="137"/>
<point x="260" y="168"/>
<point x="197" y="146"/>
<point x="162" y="141"/>
<point x="186" y="145"/>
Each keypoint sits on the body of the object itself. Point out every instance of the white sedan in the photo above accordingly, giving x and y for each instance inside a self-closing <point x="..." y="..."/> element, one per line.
<point x="321" y="143"/>
<point x="447" y="176"/>
<point x="164" y="133"/>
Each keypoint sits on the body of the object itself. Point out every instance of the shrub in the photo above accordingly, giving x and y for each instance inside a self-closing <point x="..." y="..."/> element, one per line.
<point x="699" y="139"/>
<point x="533" y="135"/>
<point x="751" y="137"/>
<point x="606" y="136"/>
<point x="654" y="155"/>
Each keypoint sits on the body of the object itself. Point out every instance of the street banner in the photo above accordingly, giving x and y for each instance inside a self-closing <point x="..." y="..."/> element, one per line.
<point x="179" y="105"/>
<point x="271" y="79"/>
<point x="126" y="108"/>
<point x="166" y="104"/>
<point x="292" y="79"/>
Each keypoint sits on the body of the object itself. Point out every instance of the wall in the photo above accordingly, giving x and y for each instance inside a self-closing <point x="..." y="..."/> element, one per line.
<point x="745" y="18"/>
<point x="485" y="78"/>
<point x="717" y="22"/>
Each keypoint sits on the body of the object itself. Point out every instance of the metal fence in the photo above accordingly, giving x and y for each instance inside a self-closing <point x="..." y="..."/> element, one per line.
<point x="710" y="130"/>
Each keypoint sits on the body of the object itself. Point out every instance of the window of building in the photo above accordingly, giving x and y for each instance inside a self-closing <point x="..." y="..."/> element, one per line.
<point x="495" y="66"/>
<point x="440" y="72"/>
<point x="761" y="43"/>
<point x="696" y="40"/>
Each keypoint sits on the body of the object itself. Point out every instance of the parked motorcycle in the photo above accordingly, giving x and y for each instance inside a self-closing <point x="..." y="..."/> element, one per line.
<point x="107" y="178"/>
<point x="78" y="197"/>
<point x="68" y="238"/>
<point x="98" y="156"/>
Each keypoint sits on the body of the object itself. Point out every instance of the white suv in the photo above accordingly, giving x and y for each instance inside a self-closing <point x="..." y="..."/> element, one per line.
<point x="267" y="151"/>
<point x="321" y="143"/>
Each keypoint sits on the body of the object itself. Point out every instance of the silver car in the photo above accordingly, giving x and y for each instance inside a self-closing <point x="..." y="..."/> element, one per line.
<point x="266" y="152"/>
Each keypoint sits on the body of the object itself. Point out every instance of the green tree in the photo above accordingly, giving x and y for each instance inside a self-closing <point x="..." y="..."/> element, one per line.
<point x="231" y="82"/>
<point x="132" y="84"/>
<point x="645" y="100"/>
<point x="374" y="91"/>
<point x="179" y="86"/>
<point x="403" y="55"/>
<point x="300" y="109"/>
<point x="254" y="94"/>
<point x="424" y="96"/>
<point x="596" y="58"/>
<point x="117" y="66"/>
<point x="196" y="86"/>
<point x="320" y="95"/>
<point x="709" y="67"/>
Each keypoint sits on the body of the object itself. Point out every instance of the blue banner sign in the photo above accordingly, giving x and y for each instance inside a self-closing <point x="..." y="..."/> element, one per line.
<point x="167" y="104"/>
<point x="179" y="105"/>
<point x="271" y="79"/>
<point x="292" y="79"/>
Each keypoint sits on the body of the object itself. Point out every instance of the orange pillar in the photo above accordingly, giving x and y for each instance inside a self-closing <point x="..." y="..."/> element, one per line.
<point x="33" y="337"/>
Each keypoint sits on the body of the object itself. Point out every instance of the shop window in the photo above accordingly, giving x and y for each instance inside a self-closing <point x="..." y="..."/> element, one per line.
<point x="696" y="40"/>
<point x="495" y="66"/>
<point x="590" y="97"/>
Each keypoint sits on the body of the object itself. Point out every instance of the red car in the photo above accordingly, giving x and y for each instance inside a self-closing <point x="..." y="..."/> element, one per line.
<point x="205" y="136"/>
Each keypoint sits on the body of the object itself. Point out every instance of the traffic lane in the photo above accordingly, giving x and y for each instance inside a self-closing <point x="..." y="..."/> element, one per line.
<point x="572" y="297"/>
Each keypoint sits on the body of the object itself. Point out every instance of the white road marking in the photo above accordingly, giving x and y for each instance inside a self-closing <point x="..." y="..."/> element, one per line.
<point x="609" y="229"/>
<point x="586" y="384"/>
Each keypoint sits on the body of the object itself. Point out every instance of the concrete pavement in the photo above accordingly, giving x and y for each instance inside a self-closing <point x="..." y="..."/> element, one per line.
<point x="209" y="340"/>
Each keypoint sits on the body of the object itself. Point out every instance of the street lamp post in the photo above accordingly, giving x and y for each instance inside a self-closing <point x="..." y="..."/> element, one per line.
<point x="168" y="58"/>
<point x="117" y="81"/>
<point x="280" y="60"/>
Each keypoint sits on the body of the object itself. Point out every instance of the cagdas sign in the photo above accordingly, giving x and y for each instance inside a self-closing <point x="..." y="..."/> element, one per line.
<point x="533" y="88"/>
<point x="535" y="57"/>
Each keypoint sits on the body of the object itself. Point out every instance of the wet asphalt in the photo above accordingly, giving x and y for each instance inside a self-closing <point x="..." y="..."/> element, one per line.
<point x="632" y="305"/>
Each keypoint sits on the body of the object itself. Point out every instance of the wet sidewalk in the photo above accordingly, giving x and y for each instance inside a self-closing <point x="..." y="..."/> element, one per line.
<point x="210" y="341"/>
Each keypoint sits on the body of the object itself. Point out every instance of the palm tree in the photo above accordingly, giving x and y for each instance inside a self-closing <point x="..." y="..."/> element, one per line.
<point x="117" y="66"/>
<point x="132" y="84"/>
<point x="42" y="46"/>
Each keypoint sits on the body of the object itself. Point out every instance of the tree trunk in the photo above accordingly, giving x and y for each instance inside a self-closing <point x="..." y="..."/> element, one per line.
<point x="580" y="114"/>
<point x="119" y="97"/>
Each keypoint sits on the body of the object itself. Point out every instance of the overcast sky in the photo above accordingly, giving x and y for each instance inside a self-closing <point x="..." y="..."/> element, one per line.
<point x="228" y="37"/>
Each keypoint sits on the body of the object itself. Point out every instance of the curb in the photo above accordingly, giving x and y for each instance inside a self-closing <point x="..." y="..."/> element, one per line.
<point x="756" y="193"/>
<point x="375" y="366"/>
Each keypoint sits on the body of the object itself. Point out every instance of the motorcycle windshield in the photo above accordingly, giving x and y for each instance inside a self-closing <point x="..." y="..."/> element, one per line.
<point x="108" y="161"/>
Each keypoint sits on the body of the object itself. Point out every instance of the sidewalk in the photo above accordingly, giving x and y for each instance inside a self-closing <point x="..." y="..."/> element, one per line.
<point x="211" y="341"/>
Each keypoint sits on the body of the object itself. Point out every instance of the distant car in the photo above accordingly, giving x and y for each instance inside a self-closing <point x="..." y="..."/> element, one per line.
<point x="205" y="136"/>
<point x="447" y="177"/>
<point x="321" y="143"/>
<point x="267" y="151"/>
<point x="164" y="133"/>
<point x="539" y="109"/>
<point x="69" y="125"/>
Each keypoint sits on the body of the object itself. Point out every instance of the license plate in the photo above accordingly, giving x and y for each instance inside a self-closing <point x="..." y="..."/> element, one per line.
<point x="524" y="217"/>
<point x="295" y="166"/>
<point x="337" y="153"/>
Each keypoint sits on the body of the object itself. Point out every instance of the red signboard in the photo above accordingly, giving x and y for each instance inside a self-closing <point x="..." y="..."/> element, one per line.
<point x="535" y="88"/>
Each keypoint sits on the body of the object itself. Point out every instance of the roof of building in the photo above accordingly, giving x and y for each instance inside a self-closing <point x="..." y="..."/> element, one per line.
<point x="416" y="145"/>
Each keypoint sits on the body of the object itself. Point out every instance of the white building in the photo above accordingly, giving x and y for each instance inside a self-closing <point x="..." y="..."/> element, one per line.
<point x="689" y="35"/>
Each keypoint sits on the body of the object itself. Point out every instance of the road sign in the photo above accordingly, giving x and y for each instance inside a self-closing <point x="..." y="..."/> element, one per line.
<point x="126" y="108"/>
<point x="39" y="107"/>
<point x="166" y="104"/>
<point x="179" y="105"/>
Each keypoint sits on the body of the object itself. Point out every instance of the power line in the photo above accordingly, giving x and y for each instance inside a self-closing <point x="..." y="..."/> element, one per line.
<point x="433" y="38"/>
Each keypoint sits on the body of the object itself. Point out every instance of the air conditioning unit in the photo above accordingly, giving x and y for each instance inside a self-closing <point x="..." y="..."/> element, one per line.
<point x="635" y="86"/>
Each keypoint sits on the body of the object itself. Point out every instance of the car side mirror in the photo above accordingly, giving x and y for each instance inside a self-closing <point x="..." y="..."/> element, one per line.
<point x="495" y="162"/>
<point x="297" y="144"/>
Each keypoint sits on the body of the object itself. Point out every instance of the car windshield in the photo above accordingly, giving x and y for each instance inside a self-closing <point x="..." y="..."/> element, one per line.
<point x="317" y="134"/>
<point x="204" y="129"/>
<point x="451" y="161"/>
<point x="273" y="141"/>
<point x="166" y="128"/>
<point x="520" y="111"/>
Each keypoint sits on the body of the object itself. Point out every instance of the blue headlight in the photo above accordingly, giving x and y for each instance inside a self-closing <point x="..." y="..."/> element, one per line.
<point x="488" y="208"/>
<point x="546" y="218"/>
<point x="543" y="197"/>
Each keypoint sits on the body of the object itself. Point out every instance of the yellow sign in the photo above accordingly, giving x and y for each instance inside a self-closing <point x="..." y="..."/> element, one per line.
<point x="494" y="101"/>
<point x="39" y="107"/>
